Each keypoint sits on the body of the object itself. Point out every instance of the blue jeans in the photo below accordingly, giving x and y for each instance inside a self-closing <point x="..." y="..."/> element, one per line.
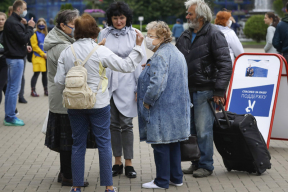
<point x="15" y="72"/>
<point x="100" y="125"/>
<point x="202" y="120"/>
<point x="168" y="164"/>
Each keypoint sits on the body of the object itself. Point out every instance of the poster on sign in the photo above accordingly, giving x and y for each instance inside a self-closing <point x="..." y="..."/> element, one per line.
<point x="253" y="88"/>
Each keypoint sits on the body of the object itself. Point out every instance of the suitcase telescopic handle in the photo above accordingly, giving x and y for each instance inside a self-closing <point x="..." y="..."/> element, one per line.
<point x="214" y="113"/>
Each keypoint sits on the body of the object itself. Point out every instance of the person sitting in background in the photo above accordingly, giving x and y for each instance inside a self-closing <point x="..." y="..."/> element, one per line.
<point x="163" y="103"/>
<point x="223" y="21"/>
<point x="86" y="31"/>
<point x="280" y="39"/>
<point x="177" y="29"/>
<point x="272" y="21"/>
<point x="39" y="56"/>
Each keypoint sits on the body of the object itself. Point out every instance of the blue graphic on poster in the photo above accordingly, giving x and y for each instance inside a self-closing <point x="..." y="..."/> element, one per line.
<point x="257" y="68"/>
<point x="252" y="100"/>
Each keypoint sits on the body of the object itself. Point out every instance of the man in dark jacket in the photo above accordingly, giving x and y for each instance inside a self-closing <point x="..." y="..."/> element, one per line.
<point x="209" y="69"/>
<point x="280" y="39"/>
<point x="16" y="36"/>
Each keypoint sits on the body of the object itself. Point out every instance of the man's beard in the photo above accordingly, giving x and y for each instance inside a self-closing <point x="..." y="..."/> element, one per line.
<point x="193" y="24"/>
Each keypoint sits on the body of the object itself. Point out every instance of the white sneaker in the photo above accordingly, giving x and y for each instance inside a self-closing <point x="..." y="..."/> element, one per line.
<point x="151" y="185"/>
<point x="177" y="185"/>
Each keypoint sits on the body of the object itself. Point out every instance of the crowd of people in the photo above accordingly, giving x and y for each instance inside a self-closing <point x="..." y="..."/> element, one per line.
<point x="168" y="92"/>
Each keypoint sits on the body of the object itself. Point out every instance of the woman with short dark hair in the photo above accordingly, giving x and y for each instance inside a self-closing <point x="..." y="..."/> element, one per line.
<point x="86" y="31"/>
<point x="122" y="87"/>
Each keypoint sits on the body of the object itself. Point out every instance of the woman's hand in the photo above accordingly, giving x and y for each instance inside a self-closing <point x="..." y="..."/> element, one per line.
<point x="45" y="56"/>
<point x="102" y="42"/>
<point x="146" y="106"/>
<point x="139" y="38"/>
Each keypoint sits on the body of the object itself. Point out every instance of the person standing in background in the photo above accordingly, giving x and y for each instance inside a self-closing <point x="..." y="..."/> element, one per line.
<point x="3" y="65"/>
<point x="280" y="39"/>
<point x="222" y="22"/>
<point x="51" y="25"/>
<point x="39" y="57"/>
<point x="16" y="36"/>
<point x="177" y="29"/>
<point x="272" y="21"/>
<point x="10" y="11"/>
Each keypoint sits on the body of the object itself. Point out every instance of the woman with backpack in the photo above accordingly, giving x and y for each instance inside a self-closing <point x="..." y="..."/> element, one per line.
<point x="39" y="56"/>
<point x="272" y="20"/>
<point x="98" y="59"/>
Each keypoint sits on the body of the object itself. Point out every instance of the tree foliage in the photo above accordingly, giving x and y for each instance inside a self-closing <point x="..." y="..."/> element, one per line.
<point x="278" y="6"/>
<point x="5" y="4"/>
<point x="255" y="28"/>
<point x="66" y="6"/>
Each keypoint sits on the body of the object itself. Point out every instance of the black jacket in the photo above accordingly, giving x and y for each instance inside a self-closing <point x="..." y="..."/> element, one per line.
<point x="16" y="36"/>
<point x="208" y="59"/>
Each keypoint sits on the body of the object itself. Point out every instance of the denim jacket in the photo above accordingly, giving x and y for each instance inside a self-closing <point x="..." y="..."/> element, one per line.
<point x="163" y="84"/>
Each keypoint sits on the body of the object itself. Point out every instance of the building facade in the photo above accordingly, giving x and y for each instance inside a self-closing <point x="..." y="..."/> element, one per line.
<point x="48" y="9"/>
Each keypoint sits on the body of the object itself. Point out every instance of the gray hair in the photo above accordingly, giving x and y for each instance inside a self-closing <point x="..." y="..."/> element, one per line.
<point x="162" y="30"/>
<point x="66" y="16"/>
<point x="202" y="9"/>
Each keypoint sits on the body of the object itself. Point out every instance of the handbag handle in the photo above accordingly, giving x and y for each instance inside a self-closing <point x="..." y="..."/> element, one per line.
<point x="214" y="113"/>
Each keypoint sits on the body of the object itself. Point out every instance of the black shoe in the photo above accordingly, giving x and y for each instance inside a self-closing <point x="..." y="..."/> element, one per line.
<point x="117" y="170"/>
<point x="22" y="100"/>
<point x="130" y="172"/>
<point x="59" y="179"/>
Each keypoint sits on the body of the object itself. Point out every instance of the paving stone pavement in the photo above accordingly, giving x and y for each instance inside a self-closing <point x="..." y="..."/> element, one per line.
<point x="26" y="165"/>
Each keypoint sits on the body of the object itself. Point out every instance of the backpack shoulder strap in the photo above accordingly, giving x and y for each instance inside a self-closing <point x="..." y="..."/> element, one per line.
<point x="73" y="52"/>
<point x="90" y="54"/>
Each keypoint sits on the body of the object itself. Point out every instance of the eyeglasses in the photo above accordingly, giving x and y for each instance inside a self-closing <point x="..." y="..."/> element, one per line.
<point x="151" y="36"/>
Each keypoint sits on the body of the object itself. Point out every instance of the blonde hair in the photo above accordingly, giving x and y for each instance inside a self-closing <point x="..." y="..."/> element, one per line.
<point x="162" y="30"/>
<point x="45" y="30"/>
<point x="3" y="14"/>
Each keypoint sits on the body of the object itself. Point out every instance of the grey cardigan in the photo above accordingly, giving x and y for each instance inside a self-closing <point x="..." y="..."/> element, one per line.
<point x="269" y="37"/>
<point x="55" y="42"/>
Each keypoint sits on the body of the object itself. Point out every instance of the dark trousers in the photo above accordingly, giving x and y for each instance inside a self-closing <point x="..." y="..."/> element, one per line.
<point x="35" y="77"/>
<point x="65" y="164"/>
<point x="168" y="164"/>
<point x="3" y="77"/>
<point x="100" y="121"/>
<point x="21" y="93"/>
<point x="286" y="56"/>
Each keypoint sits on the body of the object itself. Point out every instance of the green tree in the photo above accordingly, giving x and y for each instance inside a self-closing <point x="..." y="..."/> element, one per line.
<point x="66" y="6"/>
<point x="255" y="28"/>
<point x="5" y="4"/>
<point x="278" y="6"/>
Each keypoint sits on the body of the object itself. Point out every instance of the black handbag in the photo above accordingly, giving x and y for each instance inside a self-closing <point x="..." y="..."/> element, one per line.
<point x="190" y="150"/>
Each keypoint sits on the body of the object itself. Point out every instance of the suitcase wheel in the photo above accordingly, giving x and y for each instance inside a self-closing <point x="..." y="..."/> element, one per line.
<point x="258" y="173"/>
<point x="229" y="170"/>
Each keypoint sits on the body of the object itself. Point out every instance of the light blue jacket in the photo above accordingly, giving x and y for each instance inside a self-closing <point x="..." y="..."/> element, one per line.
<point x="163" y="84"/>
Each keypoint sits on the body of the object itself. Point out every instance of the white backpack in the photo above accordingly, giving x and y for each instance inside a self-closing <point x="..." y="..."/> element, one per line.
<point x="77" y="94"/>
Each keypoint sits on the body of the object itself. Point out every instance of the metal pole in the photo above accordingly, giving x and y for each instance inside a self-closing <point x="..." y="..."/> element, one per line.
<point x="141" y="26"/>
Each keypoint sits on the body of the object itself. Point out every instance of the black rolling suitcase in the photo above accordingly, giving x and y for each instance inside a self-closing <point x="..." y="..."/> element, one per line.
<point x="239" y="142"/>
